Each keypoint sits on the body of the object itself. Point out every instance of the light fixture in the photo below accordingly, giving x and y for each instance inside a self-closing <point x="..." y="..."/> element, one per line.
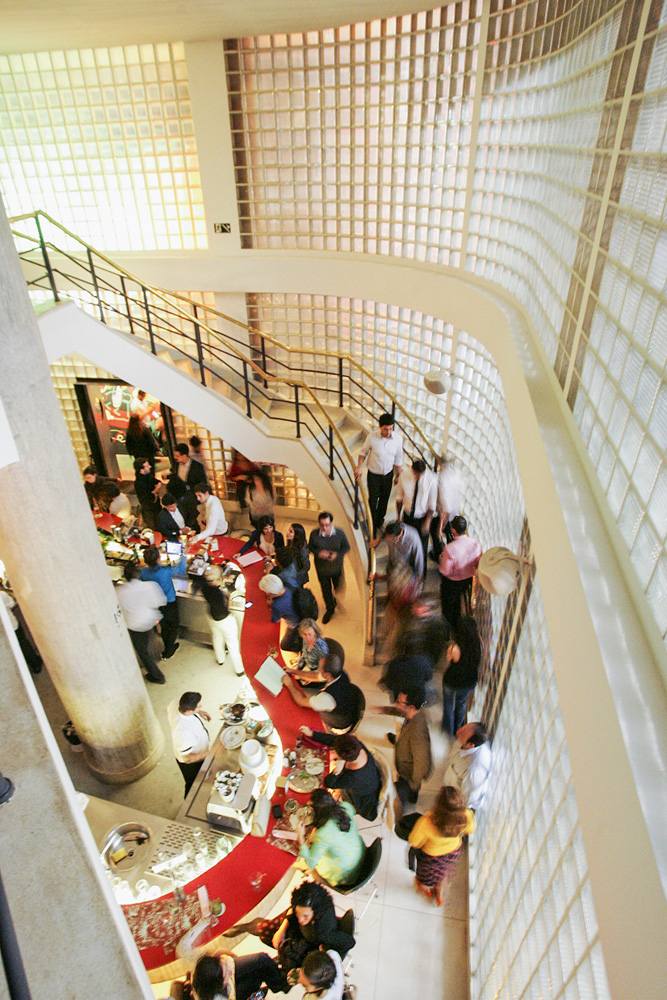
<point x="499" y="570"/>
<point x="438" y="381"/>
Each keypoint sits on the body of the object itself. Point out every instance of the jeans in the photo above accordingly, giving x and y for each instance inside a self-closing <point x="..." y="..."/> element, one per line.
<point x="142" y="647"/>
<point x="379" y="491"/>
<point x="328" y="585"/>
<point x="454" y="701"/>
<point x="405" y="793"/>
<point x="252" y="971"/>
<point x="169" y="628"/>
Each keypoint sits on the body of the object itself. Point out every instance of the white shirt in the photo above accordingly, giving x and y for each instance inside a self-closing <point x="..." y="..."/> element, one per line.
<point x="384" y="454"/>
<point x="9" y="603"/>
<point x="121" y="507"/>
<point x="178" y="517"/>
<point x="451" y="486"/>
<point x="216" y="522"/>
<point x="427" y="492"/>
<point x="140" y="602"/>
<point x="335" y="991"/>
<point x="468" y="770"/>
<point x="188" y="732"/>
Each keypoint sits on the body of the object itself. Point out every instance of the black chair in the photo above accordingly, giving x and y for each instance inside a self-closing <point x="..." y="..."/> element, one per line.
<point x="369" y="866"/>
<point x="359" y="710"/>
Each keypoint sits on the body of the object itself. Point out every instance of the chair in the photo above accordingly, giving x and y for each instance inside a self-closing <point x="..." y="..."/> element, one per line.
<point x="359" y="710"/>
<point x="384" y="799"/>
<point x="369" y="866"/>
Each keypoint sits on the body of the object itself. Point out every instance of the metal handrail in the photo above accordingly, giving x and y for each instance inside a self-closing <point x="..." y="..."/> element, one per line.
<point x="158" y="319"/>
<point x="340" y="357"/>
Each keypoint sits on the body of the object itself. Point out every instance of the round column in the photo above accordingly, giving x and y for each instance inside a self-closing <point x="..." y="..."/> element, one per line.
<point x="50" y="547"/>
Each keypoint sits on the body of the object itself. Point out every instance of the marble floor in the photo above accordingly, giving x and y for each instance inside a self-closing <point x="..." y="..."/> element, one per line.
<point x="406" y="946"/>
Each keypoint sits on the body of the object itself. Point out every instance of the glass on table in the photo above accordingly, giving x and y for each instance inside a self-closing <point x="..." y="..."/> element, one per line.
<point x="256" y="880"/>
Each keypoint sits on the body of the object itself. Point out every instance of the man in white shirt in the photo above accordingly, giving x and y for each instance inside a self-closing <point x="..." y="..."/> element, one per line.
<point x="451" y="487"/>
<point x="189" y="735"/>
<point x="140" y="602"/>
<point x="469" y="762"/>
<point x="214" y="515"/>
<point x="417" y="499"/>
<point x="384" y="450"/>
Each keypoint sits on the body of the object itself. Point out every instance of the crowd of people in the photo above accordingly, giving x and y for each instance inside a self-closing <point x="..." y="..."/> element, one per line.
<point x="422" y="638"/>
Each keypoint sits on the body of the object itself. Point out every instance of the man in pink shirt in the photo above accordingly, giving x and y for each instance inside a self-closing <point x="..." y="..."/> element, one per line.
<point x="458" y="565"/>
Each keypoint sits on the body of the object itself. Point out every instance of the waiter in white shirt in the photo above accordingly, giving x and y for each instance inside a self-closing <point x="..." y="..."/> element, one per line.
<point x="214" y="515"/>
<point x="384" y="450"/>
<point x="417" y="499"/>
<point x="189" y="734"/>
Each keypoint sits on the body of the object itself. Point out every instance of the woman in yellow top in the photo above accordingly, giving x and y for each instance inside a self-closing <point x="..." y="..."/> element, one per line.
<point x="437" y="839"/>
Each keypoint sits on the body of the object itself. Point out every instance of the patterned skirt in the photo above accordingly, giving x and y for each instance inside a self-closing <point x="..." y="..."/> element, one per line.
<point x="432" y="869"/>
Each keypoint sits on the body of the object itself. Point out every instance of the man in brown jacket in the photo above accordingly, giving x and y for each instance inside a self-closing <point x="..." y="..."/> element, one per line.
<point x="412" y="746"/>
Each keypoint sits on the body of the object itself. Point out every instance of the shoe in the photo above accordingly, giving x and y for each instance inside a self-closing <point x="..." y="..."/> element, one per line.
<point x="328" y="615"/>
<point x="168" y="656"/>
<point x="392" y="738"/>
<point x="157" y="680"/>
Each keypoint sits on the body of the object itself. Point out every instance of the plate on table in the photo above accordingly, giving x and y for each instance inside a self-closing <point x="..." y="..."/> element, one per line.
<point x="233" y="737"/>
<point x="315" y="766"/>
<point x="301" y="781"/>
<point x="236" y="713"/>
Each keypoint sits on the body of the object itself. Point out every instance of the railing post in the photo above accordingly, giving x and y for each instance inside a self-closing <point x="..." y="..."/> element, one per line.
<point x="246" y="382"/>
<point x="263" y="343"/>
<point x="47" y="262"/>
<point x="296" y="411"/>
<point x="356" y="503"/>
<point x="95" y="285"/>
<point x="128" y="311"/>
<point x="331" y="453"/>
<point x="151" y="335"/>
<point x="393" y="411"/>
<point x="200" y="353"/>
<point x="340" y="382"/>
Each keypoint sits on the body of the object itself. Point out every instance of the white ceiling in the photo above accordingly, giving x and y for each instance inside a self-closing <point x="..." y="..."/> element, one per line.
<point x="40" y="25"/>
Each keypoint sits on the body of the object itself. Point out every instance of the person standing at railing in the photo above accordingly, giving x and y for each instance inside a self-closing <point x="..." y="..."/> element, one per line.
<point x="328" y="545"/>
<point x="384" y="450"/>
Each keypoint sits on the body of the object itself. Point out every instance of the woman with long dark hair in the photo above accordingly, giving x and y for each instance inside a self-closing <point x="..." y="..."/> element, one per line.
<point x="139" y="441"/>
<point x="437" y="839"/>
<point x="309" y="922"/>
<point x="296" y="540"/>
<point x="335" y="849"/>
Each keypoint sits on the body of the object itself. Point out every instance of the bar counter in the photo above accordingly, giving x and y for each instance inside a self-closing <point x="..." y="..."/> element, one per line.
<point x="158" y="924"/>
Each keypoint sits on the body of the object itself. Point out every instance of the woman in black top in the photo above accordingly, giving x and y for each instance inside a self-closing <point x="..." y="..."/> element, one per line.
<point x="309" y="922"/>
<point x="139" y="441"/>
<point x="464" y="655"/>
<point x="356" y="774"/>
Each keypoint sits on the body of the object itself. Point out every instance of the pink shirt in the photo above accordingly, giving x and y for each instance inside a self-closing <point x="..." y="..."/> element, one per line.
<point x="460" y="558"/>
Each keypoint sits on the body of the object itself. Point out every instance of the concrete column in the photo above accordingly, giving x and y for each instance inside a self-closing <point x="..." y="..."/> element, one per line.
<point x="49" y="544"/>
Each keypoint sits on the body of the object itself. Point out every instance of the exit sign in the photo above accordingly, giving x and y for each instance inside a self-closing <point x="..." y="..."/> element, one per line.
<point x="222" y="227"/>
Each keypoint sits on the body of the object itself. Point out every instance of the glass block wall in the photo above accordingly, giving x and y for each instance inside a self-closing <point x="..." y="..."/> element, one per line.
<point x="533" y="928"/>
<point x="538" y="163"/>
<point x="103" y="140"/>
<point x="357" y="138"/>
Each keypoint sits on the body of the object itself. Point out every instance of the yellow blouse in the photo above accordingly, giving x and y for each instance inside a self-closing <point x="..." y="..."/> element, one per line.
<point x="425" y="835"/>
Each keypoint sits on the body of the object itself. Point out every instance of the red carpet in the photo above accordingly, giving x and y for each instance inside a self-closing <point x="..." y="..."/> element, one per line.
<point x="229" y="879"/>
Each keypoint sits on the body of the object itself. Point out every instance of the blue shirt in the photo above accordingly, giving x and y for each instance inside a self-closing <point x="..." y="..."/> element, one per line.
<point x="164" y="576"/>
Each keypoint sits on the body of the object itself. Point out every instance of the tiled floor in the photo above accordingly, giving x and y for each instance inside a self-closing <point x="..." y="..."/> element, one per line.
<point x="406" y="946"/>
